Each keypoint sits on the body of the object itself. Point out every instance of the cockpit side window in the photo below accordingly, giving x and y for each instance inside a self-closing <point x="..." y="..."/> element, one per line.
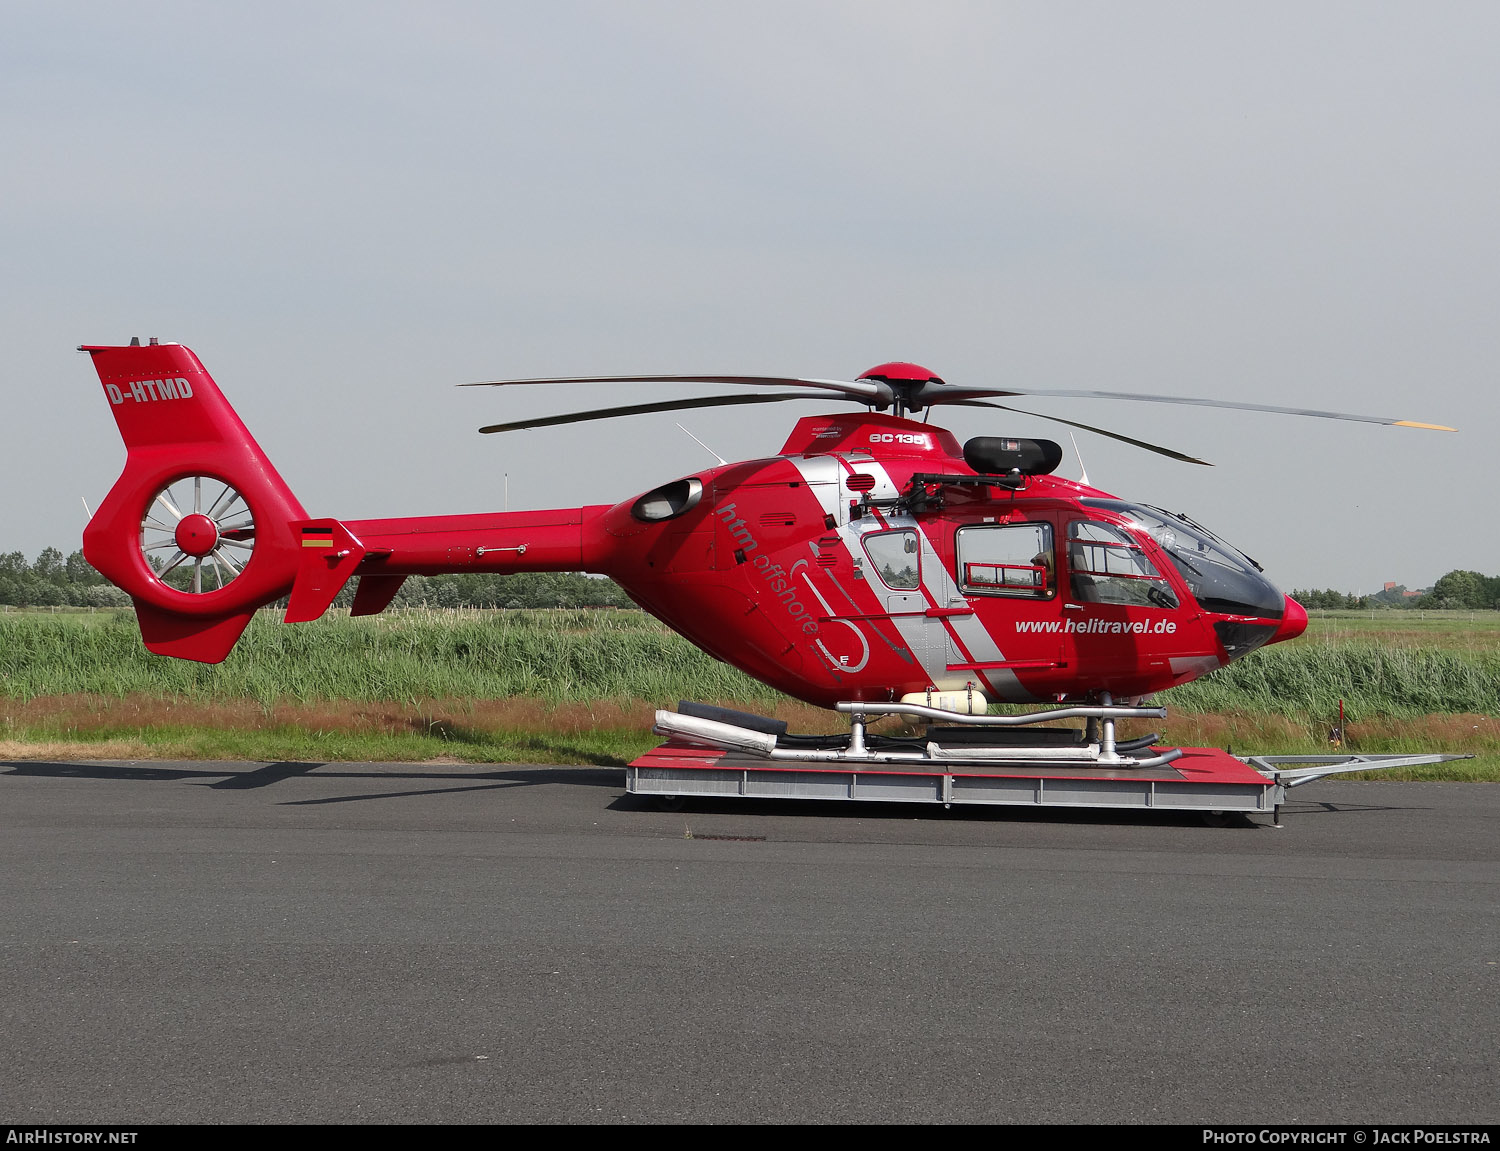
<point x="1107" y="566"/>
<point x="1007" y="559"/>
<point x="1219" y="577"/>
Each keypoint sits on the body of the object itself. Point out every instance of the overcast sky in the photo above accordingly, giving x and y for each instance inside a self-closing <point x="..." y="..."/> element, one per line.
<point x="346" y="209"/>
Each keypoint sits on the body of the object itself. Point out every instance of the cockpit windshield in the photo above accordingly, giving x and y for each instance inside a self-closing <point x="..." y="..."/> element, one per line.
<point x="1221" y="578"/>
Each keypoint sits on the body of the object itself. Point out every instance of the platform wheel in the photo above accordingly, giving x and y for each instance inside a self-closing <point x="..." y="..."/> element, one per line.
<point x="669" y="802"/>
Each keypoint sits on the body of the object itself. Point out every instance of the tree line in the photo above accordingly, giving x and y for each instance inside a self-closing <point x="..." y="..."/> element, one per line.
<point x="55" y="580"/>
<point x="1456" y="591"/>
<point x="58" y="580"/>
<point x="1463" y="589"/>
<point x="1327" y="599"/>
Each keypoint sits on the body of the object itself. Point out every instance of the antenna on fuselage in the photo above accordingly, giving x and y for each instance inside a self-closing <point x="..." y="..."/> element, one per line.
<point x="722" y="461"/>
<point x="1083" y="471"/>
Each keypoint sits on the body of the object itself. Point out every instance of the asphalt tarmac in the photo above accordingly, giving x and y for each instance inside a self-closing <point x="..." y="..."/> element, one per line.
<point x="192" y="942"/>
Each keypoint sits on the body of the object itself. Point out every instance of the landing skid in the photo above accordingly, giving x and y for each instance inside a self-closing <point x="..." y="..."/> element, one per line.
<point x="988" y="760"/>
<point x="969" y="741"/>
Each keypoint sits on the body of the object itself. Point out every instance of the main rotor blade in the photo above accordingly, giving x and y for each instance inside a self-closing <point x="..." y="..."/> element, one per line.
<point x="1157" y="448"/>
<point x="957" y="394"/>
<point x="642" y="409"/>
<point x="866" y="391"/>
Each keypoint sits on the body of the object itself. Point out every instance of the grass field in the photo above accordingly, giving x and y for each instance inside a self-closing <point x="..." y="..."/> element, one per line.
<point x="580" y="686"/>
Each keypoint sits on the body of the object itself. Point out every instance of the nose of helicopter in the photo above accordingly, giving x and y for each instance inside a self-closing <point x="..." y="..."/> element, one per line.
<point x="1293" y="623"/>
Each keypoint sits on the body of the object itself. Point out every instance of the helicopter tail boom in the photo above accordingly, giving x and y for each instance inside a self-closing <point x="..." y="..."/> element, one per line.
<point x="201" y="530"/>
<point x="382" y="553"/>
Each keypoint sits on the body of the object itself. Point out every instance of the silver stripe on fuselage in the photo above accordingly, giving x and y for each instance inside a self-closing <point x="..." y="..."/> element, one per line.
<point x="937" y="585"/>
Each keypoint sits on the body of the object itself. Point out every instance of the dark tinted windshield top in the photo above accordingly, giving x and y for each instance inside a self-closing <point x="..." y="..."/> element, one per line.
<point x="1220" y="578"/>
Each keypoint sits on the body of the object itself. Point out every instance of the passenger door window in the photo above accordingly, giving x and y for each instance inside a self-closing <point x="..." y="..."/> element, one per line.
<point x="894" y="556"/>
<point x="1007" y="559"/>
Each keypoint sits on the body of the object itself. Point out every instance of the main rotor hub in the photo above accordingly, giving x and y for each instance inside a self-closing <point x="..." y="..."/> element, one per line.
<point x="196" y="534"/>
<point x="906" y="381"/>
<point x="901" y="373"/>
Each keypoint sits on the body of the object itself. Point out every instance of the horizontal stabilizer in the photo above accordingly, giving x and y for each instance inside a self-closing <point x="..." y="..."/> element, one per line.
<point x="330" y="553"/>
<point x="375" y="593"/>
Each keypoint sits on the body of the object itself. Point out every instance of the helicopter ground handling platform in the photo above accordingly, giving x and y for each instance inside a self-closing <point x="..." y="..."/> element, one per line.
<point x="716" y="753"/>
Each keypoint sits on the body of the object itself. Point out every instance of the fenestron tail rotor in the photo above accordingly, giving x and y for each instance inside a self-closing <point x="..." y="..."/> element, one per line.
<point x="198" y="525"/>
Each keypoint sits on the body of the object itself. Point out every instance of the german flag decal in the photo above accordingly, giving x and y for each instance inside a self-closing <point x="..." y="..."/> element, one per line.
<point x="317" y="537"/>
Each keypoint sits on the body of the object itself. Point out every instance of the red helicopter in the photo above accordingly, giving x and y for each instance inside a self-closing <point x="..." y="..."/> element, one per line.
<point x="873" y="564"/>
